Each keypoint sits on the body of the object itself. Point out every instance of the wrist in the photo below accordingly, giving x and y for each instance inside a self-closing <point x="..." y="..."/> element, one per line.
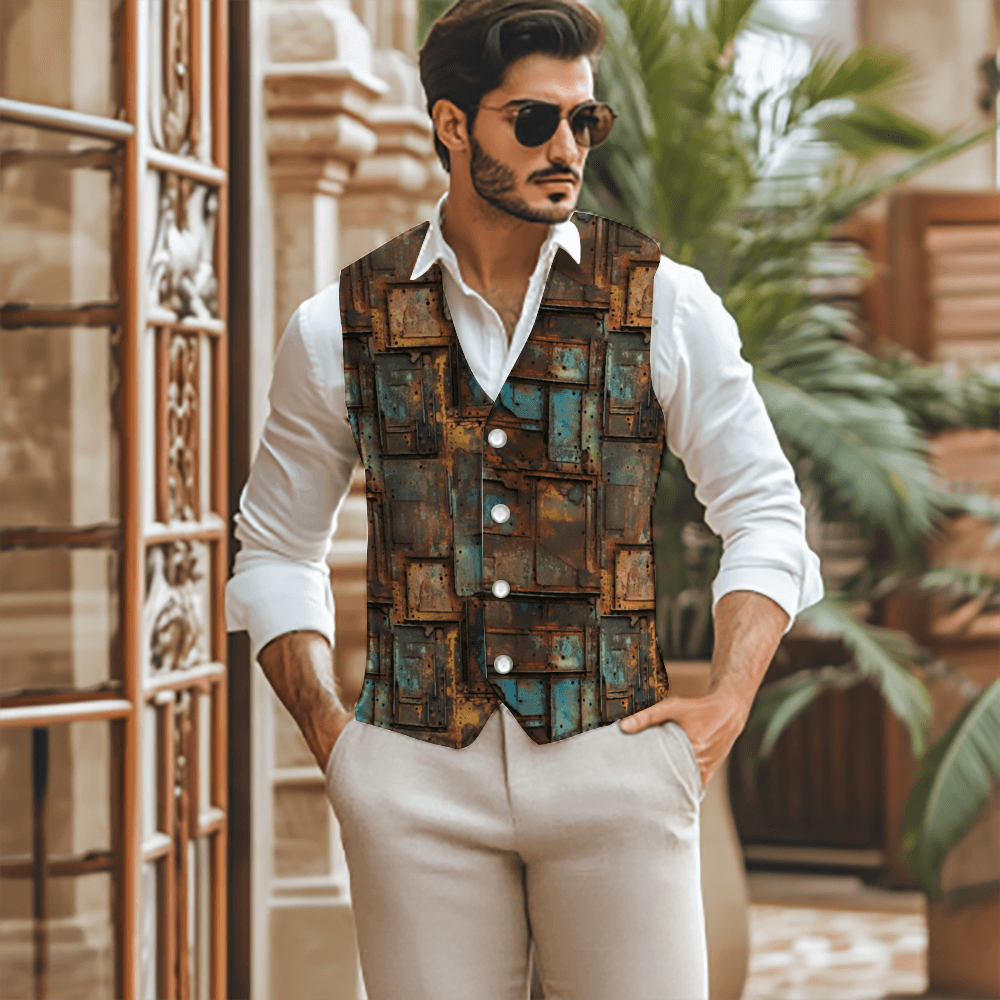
<point x="731" y="703"/>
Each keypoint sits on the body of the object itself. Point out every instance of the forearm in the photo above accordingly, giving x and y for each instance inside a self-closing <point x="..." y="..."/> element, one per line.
<point x="748" y="628"/>
<point x="299" y="666"/>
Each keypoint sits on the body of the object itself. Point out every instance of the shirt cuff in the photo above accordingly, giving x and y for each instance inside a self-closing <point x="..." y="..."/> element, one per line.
<point x="279" y="597"/>
<point x="789" y="591"/>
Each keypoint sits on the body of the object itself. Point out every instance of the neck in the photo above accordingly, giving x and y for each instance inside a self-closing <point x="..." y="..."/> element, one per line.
<point x="493" y="247"/>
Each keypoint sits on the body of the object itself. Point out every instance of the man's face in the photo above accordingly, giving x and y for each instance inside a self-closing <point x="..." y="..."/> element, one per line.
<point x="538" y="183"/>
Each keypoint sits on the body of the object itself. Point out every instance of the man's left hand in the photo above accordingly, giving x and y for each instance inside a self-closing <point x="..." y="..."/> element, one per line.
<point x="748" y="627"/>
<point x="711" y="722"/>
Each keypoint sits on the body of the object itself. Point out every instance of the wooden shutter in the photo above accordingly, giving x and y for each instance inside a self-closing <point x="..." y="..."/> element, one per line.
<point x="944" y="264"/>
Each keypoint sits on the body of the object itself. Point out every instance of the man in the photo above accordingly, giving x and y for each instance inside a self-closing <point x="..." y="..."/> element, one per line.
<point x="509" y="375"/>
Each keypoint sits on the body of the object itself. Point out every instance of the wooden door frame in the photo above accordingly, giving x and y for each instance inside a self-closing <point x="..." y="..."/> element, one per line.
<point x="240" y="678"/>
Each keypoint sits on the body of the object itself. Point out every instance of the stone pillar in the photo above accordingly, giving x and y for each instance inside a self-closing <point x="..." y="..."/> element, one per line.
<point x="396" y="187"/>
<point x="392" y="24"/>
<point x="318" y="93"/>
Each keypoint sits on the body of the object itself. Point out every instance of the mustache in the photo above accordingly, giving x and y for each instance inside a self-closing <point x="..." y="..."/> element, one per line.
<point x="554" y="171"/>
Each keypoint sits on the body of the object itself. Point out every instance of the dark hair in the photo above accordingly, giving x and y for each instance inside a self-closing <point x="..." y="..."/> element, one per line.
<point x="469" y="48"/>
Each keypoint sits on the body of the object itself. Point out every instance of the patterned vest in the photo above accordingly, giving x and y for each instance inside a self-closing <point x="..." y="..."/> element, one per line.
<point x="510" y="550"/>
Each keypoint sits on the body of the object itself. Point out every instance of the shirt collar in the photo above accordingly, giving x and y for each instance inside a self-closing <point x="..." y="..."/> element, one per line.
<point x="436" y="249"/>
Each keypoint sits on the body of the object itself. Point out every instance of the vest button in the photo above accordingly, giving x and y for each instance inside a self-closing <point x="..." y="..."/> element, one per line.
<point x="503" y="664"/>
<point x="497" y="437"/>
<point x="501" y="588"/>
<point x="500" y="513"/>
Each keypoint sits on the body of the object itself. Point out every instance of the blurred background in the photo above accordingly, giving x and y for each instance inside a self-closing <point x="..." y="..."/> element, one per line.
<point x="176" y="176"/>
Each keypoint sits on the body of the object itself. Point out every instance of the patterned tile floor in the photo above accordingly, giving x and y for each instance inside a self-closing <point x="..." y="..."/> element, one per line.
<point x="802" y="953"/>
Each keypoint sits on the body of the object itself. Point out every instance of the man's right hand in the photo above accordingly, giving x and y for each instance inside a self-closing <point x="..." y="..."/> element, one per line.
<point x="299" y="666"/>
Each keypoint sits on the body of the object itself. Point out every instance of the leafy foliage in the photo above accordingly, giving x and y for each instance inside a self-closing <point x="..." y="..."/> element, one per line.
<point x="952" y="787"/>
<point x="934" y="402"/>
<point x="879" y="656"/>
<point x="827" y="403"/>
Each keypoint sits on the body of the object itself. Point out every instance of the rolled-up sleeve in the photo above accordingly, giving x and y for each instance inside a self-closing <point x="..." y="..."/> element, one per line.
<point x="719" y="428"/>
<point x="299" y="478"/>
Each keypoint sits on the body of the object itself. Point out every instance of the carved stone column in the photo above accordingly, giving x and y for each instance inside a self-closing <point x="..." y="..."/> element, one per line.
<point x="318" y="90"/>
<point x="392" y="24"/>
<point x="318" y="93"/>
<point x="396" y="187"/>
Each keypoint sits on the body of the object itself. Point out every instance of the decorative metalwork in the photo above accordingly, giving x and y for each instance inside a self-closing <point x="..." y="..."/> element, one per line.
<point x="174" y="618"/>
<point x="183" y="427"/>
<point x="174" y="65"/>
<point x="175" y="99"/>
<point x="557" y="514"/>
<point x="182" y="264"/>
<point x="185" y="810"/>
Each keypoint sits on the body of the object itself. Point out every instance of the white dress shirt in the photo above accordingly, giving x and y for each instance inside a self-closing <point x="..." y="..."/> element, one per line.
<point x="716" y="424"/>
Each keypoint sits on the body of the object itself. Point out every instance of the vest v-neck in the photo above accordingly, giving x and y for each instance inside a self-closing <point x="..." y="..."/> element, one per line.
<point x="492" y="354"/>
<point x="561" y="261"/>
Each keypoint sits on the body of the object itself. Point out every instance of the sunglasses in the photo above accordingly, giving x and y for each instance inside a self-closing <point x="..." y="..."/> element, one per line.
<point x="537" y="121"/>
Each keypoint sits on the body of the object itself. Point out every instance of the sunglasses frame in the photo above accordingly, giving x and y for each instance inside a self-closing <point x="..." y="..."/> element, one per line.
<point x="518" y="106"/>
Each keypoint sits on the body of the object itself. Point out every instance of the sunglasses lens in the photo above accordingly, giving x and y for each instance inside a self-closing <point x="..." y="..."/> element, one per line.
<point x="591" y="125"/>
<point x="536" y="123"/>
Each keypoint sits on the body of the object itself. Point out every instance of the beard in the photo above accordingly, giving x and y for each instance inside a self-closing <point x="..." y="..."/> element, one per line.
<point x="496" y="183"/>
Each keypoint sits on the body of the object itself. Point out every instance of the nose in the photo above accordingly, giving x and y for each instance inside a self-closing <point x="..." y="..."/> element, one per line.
<point x="562" y="146"/>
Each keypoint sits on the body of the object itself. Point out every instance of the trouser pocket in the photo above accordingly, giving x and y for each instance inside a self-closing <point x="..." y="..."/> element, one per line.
<point x="338" y="753"/>
<point x="680" y="753"/>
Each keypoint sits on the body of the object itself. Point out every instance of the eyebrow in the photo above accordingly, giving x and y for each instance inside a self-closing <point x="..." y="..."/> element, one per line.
<point x="520" y="102"/>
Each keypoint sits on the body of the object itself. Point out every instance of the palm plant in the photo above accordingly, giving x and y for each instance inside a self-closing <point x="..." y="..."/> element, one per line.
<point x="746" y="188"/>
<point x="952" y="787"/>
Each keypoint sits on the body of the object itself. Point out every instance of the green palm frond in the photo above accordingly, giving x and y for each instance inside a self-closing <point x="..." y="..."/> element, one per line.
<point x="864" y="450"/>
<point x="864" y="72"/>
<point x="826" y="402"/>
<point x="870" y="130"/>
<point x="952" y="787"/>
<point x="619" y="172"/>
<point x="726" y="19"/>
<point x="878" y="655"/>
<point x="851" y="196"/>
<point x="881" y="656"/>
<point x="677" y="68"/>
<point x="779" y="703"/>
<point x="428" y="11"/>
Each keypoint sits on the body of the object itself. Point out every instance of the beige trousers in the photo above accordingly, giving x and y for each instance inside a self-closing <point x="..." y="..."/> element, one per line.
<point x="459" y="858"/>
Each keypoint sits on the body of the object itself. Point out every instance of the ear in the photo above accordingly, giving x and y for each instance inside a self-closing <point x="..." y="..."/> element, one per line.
<point x="451" y="126"/>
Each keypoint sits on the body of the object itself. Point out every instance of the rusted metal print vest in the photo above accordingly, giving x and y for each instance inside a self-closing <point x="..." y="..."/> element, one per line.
<point x="576" y="466"/>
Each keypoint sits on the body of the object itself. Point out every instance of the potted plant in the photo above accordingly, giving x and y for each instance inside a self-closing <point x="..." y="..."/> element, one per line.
<point x="951" y="792"/>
